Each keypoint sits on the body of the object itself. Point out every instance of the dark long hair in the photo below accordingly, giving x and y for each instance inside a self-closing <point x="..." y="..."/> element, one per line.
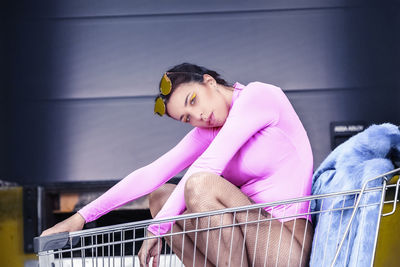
<point x="187" y="72"/>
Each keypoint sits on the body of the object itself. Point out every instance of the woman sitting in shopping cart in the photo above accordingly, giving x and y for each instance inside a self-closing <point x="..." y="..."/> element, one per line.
<point x="247" y="146"/>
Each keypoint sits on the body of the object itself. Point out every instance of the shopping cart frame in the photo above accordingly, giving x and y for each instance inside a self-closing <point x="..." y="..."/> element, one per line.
<point x="52" y="249"/>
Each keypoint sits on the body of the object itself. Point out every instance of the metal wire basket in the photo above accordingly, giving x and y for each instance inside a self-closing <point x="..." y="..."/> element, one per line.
<point x="118" y="245"/>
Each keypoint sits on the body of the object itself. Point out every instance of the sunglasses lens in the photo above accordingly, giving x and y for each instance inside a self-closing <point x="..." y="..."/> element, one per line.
<point x="159" y="107"/>
<point x="166" y="85"/>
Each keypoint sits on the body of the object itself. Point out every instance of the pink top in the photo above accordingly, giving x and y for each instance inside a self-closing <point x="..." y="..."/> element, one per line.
<point x="262" y="148"/>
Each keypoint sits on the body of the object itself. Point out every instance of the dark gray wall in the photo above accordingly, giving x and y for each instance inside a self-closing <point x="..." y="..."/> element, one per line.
<point x="3" y="127"/>
<point x="82" y="75"/>
<point x="397" y="37"/>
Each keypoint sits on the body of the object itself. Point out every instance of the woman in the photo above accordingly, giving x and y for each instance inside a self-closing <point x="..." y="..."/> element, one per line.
<point x="247" y="146"/>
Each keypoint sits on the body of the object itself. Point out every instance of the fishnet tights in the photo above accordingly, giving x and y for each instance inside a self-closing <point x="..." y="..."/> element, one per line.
<point x="265" y="243"/>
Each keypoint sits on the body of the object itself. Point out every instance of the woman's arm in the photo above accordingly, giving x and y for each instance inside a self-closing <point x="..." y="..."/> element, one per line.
<point x="256" y="108"/>
<point x="146" y="179"/>
<point x="139" y="182"/>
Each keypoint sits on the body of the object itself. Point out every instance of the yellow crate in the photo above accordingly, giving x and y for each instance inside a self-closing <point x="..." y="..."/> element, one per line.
<point x="11" y="229"/>
<point x="388" y="249"/>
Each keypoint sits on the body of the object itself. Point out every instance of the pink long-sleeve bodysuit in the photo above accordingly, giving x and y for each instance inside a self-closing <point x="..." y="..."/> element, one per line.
<point x="262" y="148"/>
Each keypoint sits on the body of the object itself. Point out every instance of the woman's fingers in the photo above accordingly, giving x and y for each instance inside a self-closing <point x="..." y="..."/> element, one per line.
<point x="142" y="255"/>
<point x="155" y="253"/>
<point x="73" y="223"/>
<point x="149" y="249"/>
<point x="47" y="232"/>
<point x="156" y="259"/>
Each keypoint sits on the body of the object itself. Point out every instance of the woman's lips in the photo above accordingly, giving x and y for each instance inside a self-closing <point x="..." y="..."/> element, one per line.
<point x="211" y="119"/>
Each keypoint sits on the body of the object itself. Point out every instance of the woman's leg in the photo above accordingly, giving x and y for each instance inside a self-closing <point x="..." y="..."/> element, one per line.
<point x="207" y="192"/>
<point x="214" y="244"/>
<point x="302" y="234"/>
<point x="269" y="243"/>
<point x="182" y="245"/>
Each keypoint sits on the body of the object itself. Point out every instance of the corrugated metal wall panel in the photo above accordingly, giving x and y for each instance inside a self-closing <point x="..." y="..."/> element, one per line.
<point x="82" y="76"/>
<point x="101" y="8"/>
<point x="306" y="49"/>
<point x="88" y="139"/>
<point x="107" y="139"/>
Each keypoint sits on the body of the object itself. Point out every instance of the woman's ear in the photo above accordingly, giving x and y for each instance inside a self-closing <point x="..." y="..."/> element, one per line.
<point x="209" y="80"/>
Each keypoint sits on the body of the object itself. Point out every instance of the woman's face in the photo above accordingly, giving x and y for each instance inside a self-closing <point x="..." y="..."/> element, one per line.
<point x="200" y="104"/>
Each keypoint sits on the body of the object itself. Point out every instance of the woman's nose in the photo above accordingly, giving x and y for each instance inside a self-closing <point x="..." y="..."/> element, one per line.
<point x="198" y="114"/>
<point x="203" y="117"/>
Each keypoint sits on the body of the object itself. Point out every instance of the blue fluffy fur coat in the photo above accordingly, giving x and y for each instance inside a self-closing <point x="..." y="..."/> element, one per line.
<point x="364" y="156"/>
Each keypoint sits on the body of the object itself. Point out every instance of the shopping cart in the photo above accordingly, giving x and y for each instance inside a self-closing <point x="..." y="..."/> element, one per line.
<point x="118" y="245"/>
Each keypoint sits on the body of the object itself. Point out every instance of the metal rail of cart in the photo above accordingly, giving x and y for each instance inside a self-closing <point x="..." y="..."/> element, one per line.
<point x="118" y="245"/>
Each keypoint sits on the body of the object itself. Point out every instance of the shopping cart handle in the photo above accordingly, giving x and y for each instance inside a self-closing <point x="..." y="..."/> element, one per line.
<point x="50" y="242"/>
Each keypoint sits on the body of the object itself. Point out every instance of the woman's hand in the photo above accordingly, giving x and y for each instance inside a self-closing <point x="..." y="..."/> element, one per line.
<point x="71" y="224"/>
<point x="150" y="248"/>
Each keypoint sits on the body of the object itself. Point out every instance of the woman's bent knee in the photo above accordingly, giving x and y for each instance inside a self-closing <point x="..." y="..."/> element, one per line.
<point x="197" y="183"/>
<point x="198" y="187"/>
<point x="158" y="198"/>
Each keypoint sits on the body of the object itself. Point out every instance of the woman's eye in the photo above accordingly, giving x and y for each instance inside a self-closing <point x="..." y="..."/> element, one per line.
<point x="187" y="118"/>
<point x="192" y="99"/>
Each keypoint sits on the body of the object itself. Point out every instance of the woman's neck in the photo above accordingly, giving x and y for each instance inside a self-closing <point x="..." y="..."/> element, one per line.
<point x="227" y="93"/>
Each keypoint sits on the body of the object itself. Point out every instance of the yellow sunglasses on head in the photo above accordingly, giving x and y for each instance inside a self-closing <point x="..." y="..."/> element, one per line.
<point x="165" y="89"/>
